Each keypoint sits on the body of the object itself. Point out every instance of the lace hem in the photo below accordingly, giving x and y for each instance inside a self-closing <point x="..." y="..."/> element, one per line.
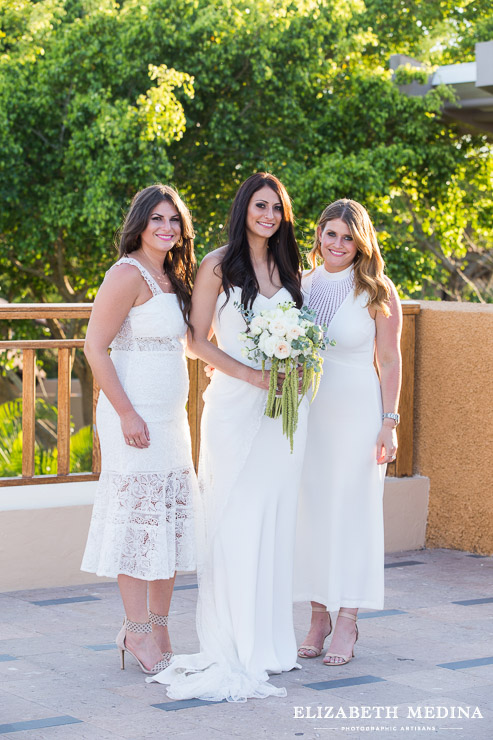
<point x="142" y="525"/>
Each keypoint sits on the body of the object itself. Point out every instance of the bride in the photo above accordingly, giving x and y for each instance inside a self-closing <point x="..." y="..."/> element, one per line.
<point x="248" y="479"/>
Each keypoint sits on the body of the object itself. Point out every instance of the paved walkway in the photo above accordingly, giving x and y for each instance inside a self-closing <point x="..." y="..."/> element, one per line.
<point x="432" y="647"/>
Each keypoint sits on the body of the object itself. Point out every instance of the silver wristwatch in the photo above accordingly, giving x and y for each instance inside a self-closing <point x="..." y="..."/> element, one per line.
<point x="395" y="417"/>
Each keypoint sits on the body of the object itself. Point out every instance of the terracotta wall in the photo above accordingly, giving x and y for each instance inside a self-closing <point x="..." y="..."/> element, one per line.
<point x="454" y="422"/>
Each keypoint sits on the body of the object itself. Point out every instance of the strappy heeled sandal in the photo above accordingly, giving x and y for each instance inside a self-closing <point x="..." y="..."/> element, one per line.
<point x="142" y="628"/>
<point x="344" y="658"/>
<point x="161" y="621"/>
<point x="316" y="651"/>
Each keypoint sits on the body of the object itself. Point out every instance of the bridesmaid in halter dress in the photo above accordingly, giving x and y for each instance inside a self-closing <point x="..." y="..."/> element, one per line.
<point x="351" y="431"/>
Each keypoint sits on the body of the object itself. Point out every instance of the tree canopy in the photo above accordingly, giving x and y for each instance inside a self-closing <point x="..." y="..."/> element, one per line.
<point x="99" y="99"/>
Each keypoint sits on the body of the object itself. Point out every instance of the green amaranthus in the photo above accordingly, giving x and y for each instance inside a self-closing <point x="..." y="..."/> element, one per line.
<point x="287" y="402"/>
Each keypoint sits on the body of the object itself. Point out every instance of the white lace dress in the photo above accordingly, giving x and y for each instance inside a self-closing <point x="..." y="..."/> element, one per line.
<point x="246" y="519"/>
<point x="142" y="521"/>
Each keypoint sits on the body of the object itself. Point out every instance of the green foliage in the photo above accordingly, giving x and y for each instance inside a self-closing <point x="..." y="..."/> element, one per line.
<point x="45" y="455"/>
<point x="407" y="73"/>
<point x="11" y="438"/>
<point x="81" y="451"/>
<point x="81" y="128"/>
<point x="99" y="100"/>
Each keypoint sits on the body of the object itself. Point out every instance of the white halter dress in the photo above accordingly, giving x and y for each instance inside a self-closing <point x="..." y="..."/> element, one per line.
<point x="340" y="544"/>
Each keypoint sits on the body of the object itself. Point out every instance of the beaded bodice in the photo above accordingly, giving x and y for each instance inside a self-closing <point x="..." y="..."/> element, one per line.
<point x="327" y="291"/>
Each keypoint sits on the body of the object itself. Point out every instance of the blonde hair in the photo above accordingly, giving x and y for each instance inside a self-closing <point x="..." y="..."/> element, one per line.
<point x="368" y="264"/>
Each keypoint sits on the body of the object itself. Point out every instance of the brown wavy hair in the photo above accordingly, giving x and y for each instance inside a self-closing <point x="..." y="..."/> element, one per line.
<point x="179" y="263"/>
<point x="283" y="253"/>
<point x="368" y="264"/>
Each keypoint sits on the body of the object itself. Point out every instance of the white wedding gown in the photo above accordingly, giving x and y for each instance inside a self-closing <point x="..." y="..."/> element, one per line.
<point x="246" y="519"/>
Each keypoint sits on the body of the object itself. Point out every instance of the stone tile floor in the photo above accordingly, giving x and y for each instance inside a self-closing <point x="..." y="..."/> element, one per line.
<point x="431" y="650"/>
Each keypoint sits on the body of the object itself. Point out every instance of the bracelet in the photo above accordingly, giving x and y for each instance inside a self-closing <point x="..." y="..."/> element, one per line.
<point x="389" y="415"/>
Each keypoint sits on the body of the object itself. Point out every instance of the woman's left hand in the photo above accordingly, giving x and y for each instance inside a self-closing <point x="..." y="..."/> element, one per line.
<point x="386" y="444"/>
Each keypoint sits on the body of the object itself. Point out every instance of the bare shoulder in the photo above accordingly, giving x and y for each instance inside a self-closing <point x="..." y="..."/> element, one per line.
<point x="123" y="273"/>
<point x="394" y="300"/>
<point x="214" y="258"/>
<point x="393" y="289"/>
<point x="210" y="264"/>
<point x="121" y="280"/>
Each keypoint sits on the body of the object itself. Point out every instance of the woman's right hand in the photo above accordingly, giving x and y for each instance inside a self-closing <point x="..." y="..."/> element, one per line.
<point x="135" y="430"/>
<point x="255" y="378"/>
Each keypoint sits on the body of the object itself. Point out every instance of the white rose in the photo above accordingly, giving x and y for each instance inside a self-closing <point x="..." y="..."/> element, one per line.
<point x="242" y="336"/>
<point x="270" y="346"/>
<point x="294" y="332"/>
<point x="263" y="338"/>
<point x="278" y="327"/>
<point x="292" y="314"/>
<point x="258" y="322"/>
<point x="244" y="352"/>
<point x="282" y="349"/>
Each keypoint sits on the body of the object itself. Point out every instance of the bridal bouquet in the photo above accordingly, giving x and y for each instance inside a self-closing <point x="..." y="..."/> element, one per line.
<point x="283" y="340"/>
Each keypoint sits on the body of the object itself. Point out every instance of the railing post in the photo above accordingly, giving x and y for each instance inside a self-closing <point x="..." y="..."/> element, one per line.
<point x="192" y="409"/>
<point x="63" y="426"/>
<point x="28" y="410"/>
<point x="198" y="383"/>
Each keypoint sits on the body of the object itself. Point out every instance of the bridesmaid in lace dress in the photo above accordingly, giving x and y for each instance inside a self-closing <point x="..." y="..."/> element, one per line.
<point x="142" y="528"/>
<point x="351" y="430"/>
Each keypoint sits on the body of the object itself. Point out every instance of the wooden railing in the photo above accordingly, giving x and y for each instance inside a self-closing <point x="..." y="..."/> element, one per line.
<point x="65" y="348"/>
<point x="403" y="466"/>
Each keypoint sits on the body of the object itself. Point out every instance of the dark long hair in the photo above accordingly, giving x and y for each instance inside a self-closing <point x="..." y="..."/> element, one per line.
<point x="179" y="263"/>
<point x="283" y="253"/>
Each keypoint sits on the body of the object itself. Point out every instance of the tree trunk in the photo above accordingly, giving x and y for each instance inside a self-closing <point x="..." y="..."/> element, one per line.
<point x="8" y="391"/>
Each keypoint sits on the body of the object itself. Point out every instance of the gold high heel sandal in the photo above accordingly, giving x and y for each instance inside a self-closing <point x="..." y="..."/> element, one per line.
<point x="316" y="651"/>
<point x="161" y="621"/>
<point x="345" y="658"/>
<point x="141" y="628"/>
